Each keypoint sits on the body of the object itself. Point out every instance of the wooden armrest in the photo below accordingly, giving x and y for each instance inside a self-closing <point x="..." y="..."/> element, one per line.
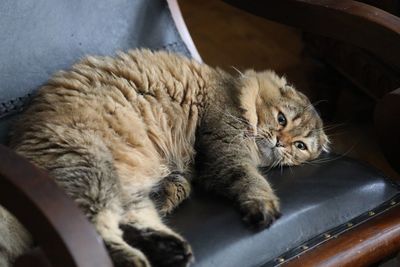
<point x="362" y="246"/>
<point x="57" y="225"/>
<point x="387" y="126"/>
<point x="353" y="22"/>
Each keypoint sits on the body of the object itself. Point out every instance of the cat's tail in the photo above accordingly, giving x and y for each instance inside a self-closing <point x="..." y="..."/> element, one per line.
<point x="14" y="238"/>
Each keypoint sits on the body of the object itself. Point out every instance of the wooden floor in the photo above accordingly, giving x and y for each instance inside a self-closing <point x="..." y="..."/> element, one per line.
<point x="228" y="37"/>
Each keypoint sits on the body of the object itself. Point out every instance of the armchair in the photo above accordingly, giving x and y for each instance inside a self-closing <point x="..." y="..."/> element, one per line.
<point x="338" y="213"/>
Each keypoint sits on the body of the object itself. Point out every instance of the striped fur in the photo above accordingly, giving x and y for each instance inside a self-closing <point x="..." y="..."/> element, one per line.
<point x="122" y="136"/>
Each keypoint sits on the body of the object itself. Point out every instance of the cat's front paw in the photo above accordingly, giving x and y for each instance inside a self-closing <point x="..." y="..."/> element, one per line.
<point x="261" y="212"/>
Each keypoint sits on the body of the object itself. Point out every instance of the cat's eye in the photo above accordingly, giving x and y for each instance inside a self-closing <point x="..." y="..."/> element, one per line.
<point x="300" y="145"/>
<point x="282" y="119"/>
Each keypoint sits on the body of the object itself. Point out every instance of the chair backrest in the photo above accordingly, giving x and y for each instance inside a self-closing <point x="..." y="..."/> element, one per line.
<point x="40" y="37"/>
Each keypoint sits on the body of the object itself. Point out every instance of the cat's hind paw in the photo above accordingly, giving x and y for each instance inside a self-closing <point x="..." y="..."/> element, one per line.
<point x="163" y="249"/>
<point x="172" y="190"/>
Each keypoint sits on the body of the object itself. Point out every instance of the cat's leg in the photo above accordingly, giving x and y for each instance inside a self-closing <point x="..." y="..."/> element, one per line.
<point x="229" y="168"/>
<point x="122" y="254"/>
<point x="144" y="229"/>
<point x="91" y="180"/>
<point x="241" y="182"/>
<point x="170" y="192"/>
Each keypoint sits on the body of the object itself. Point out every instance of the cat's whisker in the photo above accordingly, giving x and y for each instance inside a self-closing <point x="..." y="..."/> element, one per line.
<point x="270" y="168"/>
<point x="274" y="164"/>
<point x="314" y="104"/>
<point x="319" y="102"/>
<point x="320" y="161"/>
<point x="238" y="119"/>
<point x="337" y="133"/>
<point x="309" y="163"/>
<point x="238" y="71"/>
<point x="234" y="138"/>
<point x="333" y="126"/>
<point x="290" y="169"/>
<point x="239" y="135"/>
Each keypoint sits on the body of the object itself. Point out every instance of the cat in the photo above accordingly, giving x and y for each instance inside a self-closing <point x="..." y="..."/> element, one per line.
<point x="122" y="136"/>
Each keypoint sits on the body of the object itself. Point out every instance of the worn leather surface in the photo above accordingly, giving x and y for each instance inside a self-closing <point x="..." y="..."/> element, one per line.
<point x="39" y="37"/>
<point x="314" y="199"/>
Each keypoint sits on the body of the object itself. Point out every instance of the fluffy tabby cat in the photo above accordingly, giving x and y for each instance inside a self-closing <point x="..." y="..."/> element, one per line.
<point x="120" y="136"/>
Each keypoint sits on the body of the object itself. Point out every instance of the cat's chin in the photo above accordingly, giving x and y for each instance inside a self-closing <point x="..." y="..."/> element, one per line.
<point x="267" y="156"/>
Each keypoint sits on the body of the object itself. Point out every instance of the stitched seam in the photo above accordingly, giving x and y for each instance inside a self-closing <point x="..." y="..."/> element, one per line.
<point x="14" y="105"/>
<point x="169" y="45"/>
<point x="333" y="233"/>
<point x="18" y="104"/>
<point x="173" y="26"/>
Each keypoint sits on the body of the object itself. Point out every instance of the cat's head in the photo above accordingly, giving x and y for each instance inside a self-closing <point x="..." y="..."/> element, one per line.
<point x="286" y="126"/>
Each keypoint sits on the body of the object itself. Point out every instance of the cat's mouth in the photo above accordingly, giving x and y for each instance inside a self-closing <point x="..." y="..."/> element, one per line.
<point x="267" y="150"/>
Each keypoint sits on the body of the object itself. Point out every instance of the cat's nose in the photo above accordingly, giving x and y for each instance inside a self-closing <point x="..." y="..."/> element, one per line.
<point x="279" y="143"/>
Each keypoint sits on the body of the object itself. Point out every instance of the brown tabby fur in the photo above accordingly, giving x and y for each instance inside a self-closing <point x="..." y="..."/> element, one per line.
<point x="120" y="135"/>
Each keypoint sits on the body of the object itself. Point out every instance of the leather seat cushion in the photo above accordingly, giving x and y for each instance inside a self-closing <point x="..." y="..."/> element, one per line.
<point x="41" y="37"/>
<point x="315" y="200"/>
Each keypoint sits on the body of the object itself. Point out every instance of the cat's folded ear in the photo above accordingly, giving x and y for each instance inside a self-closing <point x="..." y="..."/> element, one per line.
<point x="269" y="85"/>
<point x="254" y="90"/>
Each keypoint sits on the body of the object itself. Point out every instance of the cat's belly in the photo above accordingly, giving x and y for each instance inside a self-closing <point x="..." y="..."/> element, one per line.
<point x="144" y="150"/>
<point x="142" y="166"/>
